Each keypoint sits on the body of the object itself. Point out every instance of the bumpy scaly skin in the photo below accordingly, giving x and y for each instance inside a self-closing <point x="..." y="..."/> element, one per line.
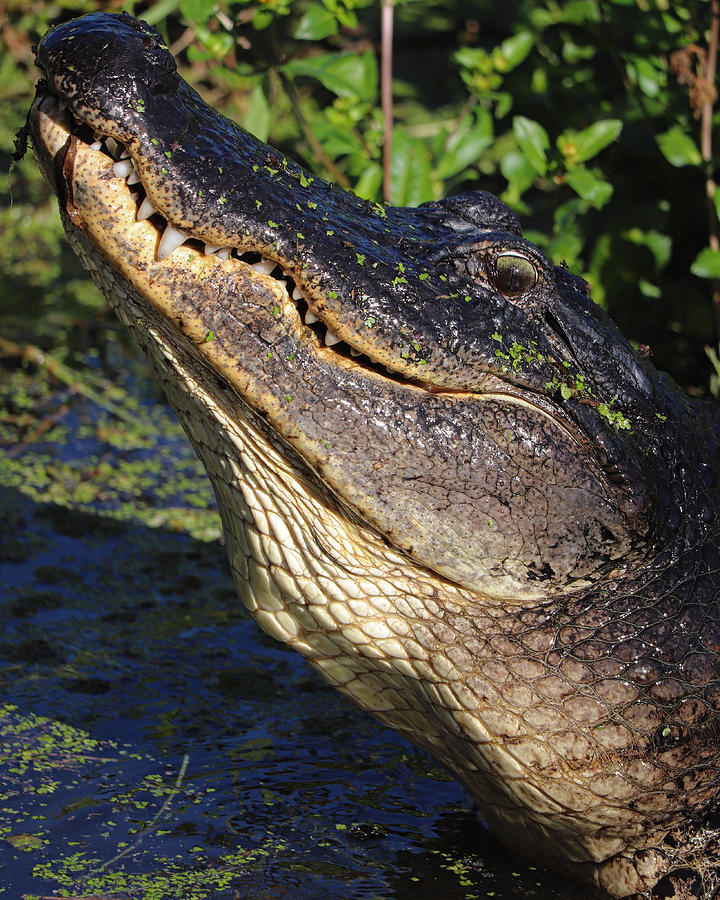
<point x="515" y="578"/>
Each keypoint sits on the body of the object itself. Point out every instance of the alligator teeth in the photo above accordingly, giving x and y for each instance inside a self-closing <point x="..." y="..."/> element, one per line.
<point x="354" y="352"/>
<point x="112" y="145"/>
<point x="223" y="253"/>
<point x="145" y="210"/>
<point x="133" y="178"/>
<point x="310" y="317"/>
<point x="96" y="145"/>
<point x="209" y="249"/>
<point x="172" y="238"/>
<point x="265" y="266"/>
<point x="331" y="339"/>
<point x="123" y="169"/>
<point x="297" y="294"/>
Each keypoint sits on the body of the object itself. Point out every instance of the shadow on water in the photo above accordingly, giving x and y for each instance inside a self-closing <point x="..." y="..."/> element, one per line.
<point x="155" y="744"/>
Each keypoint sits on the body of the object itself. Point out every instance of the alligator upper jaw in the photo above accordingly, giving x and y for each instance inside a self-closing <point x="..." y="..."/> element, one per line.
<point x="62" y="143"/>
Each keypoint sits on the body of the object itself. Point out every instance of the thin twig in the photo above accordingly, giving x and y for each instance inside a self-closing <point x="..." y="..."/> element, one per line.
<point x="64" y="374"/>
<point x="706" y="149"/>
<point x="45" y="425"/>
<point x="386" y="94"/>
<point x="74" y="897"/>
<point x="155" y="819"/>
<point x="317" y="147"/>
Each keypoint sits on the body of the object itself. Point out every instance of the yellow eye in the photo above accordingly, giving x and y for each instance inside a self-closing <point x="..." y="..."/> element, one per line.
<point x="514" y="275"/>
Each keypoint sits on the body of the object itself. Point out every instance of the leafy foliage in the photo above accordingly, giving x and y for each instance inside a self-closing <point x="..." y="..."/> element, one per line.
<point x="582" y="115"/>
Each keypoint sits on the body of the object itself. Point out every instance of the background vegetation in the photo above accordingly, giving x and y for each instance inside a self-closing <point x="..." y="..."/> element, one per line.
<point x="594" y="120"/>
<point x="591" y="118"/>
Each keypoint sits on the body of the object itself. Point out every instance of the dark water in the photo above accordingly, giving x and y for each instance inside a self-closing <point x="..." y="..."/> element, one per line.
<point x="154" y="744"/>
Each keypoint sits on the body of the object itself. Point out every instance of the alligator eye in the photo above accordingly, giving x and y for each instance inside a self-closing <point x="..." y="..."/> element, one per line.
<point x="514" y="275"/>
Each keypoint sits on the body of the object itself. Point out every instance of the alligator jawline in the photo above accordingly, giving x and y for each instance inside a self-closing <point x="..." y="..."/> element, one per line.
<point x="326" y="341"/>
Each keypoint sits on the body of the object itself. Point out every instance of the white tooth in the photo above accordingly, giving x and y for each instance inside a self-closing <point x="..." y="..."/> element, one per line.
<point x="125" y="154"/>
<point x="171" y="240"/>
<point x="297" y="294"/>
<point x="331" y="338"/>
<point x="96" y="145"/>
<point x="310" y="317"/>
<point x="133" y="178"/>
<point x="265" y="266"/>
<point x="112" y="145"/>
<point x="145" y="210"/>
<point x="209" y="249"/>
<point x="354" y="352"/>
<point x="123" y="168"/>
<point x="223" y="253"/>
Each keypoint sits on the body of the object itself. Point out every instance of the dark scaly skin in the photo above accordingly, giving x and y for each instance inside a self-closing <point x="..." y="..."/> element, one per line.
<point x="506" y="546"/>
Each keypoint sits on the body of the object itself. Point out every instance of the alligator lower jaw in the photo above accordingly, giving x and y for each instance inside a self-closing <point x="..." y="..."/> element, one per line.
<point x="106" y="171"/>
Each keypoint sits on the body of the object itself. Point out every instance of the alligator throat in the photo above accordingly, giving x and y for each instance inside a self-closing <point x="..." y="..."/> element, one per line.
<point x="444" y="477"/>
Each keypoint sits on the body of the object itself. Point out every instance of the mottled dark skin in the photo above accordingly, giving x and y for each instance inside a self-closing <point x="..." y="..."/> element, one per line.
<point x="565" y="485"/>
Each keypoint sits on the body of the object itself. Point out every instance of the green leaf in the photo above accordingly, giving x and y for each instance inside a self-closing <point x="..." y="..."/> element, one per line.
<point x="513" y="51"/>
<point x="533" y="142"/>
<point x="466" y="145"/>
<point x="678" y="148"/>
<point x="590" y="185"/>
<point x="316" y="24"/>
<point x="197" y="10"/>
<point x="345" y="74"/>
<point x="659" y="244"/>
<point x="258" y="117"/>
<point x="369" y="183"/>
<point x="649" y="75"/>
<point x="707" y="264"/>
<point x="577" y="12"/>
<point x="217" y="43"/>
<point x="519" y="174"/>
<point x="262" y="18"/>
<point x="410" y="171"/>
<point x="579" y="146"/>
<point x="338" y="140"/>
<point x="564" y="249"/>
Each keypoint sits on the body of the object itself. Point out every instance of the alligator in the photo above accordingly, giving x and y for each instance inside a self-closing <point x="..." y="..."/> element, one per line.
<point x="445" y="478"/>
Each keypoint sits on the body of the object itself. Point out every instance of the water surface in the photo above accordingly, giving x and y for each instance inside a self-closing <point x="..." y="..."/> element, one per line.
<point x="154" y="743"/>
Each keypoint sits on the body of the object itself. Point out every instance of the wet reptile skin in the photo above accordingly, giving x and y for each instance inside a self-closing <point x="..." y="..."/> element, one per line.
<point x="479" y="514"/>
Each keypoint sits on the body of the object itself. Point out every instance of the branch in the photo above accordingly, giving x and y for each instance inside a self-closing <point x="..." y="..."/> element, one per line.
<point x="709" y="71"/>
<point x="386" y="93"/>
<point x="317" y="147"/>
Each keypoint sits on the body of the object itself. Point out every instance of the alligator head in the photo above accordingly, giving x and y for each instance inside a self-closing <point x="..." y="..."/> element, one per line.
<point x="445" y="478"/>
